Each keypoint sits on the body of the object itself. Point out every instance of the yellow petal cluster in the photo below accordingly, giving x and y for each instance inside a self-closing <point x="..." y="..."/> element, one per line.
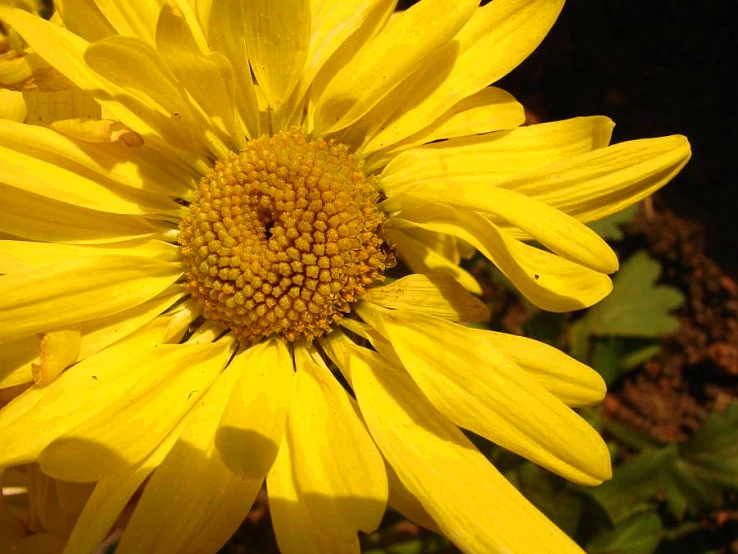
<point x="193" y="235"/>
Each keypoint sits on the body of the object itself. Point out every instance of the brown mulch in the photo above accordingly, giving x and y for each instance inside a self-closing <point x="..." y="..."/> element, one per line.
<point x="697" y="369"/>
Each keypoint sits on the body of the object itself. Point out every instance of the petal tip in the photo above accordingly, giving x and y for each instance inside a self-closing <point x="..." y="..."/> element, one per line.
<point x="611" y="263"/>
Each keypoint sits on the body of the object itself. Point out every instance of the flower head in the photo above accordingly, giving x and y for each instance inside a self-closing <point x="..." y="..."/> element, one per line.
<point x="195" y="245"/>
<point x="281" y="238"/>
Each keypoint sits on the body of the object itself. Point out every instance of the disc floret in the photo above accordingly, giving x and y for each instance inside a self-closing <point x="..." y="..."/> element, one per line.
<point x="282" y="237"/>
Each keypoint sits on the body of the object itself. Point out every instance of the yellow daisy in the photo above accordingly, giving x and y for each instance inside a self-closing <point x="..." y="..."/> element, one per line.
<point x="194" y="245"/>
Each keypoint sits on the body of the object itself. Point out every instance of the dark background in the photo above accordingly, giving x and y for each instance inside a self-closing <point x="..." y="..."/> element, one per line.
<point x="656" y="67"/>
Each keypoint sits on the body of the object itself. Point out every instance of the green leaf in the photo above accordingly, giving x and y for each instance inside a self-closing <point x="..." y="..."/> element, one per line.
<point x="712" y="450"/>
<point x="613" y="356"/>
<point x="579" y="339"/>
<point x="545" y="327"/>
<point x="634" y="438"/>
<point x="640" y="356"/>
<point x="606" y="357"/>
<point x="636" y="307"/>
<point x="609" y="227"/>
<point x="634" y="484"/>
<point x="684" y="492"/>
<point x="710" y="456"/>
<point x="682" y="530"/>
<point x="639" y="534"/>
<point x="553" y="496"/>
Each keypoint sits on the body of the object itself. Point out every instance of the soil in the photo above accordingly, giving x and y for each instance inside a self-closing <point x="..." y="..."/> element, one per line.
<point x="697" y="370"/>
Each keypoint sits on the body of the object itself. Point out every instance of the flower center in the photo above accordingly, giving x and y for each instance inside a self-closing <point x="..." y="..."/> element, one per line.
<point x="281" y="238"/>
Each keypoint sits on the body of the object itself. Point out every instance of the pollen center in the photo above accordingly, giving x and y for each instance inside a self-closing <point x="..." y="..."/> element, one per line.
<point x="282" y="237"/>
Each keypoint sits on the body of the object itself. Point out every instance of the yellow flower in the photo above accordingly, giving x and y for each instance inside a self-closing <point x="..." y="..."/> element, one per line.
<point x="200" y="233"/>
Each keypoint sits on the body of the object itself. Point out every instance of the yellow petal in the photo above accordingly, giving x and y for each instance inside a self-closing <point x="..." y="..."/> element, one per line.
<point x="376" y="70"/>
<point x="108" y="443"/>
<point x="207" y="76"/>
<point x="478" y="388"/>
<point x="56" y="504"/>
<point x="18" y="357"/>
<point x="127" y="160"/>
<point x="45" y="108"/>
<point x="202" y="516"/>
<point x="338" y="469"/>
<point x="33" y="6"/>
<point x="254" y="419"/>
<point x="548" y="281"/>
<point x="134" y="18"/>
<point x="206" y="333"/>
<point x="559" y="232"/>
<point x="12" y="106"/>
<point x="180" y="318"/>
<point x="64" y="51"/>
<point x="46" y="178"/>
<point x="406" y="503"/>
<point x="370" y="26"/>
<point x="98" y="130"/>
<point x="84" y="19"/>
<point x="43" y="162"/>
<point x="375" y="338"/>
<point x="497" y="157"/>
<point x="419" y="82"/>
<point x="337" y="345"/>
<point x="41" y="543"/>
<point x="293" y="527"/>
<point x="226" y="31"/>
<point x="60" y="222"/>
<point x="446" y="245"/>
<point x="332" y="23"/>
<point x="59" y="350"/>
<point x="82" y="144"/>
<point x="39" y="415"/>
<point x="138" y="68"/>
<point x="77" y="290"/>
<point x="423" y="259"/>
<point x="98" y="334"/>
<point x="491" y="109"/>
<point x="24" y="71"/>
<point x="26" y="257"/>
<point x="399" y="497"/>
<point x="470" y="501"/>
<point x="595" y="185"/>
<point x="431" y="294"/>
<point x="503" y="34"/>
<point x="338" y="30"/>
<point x="572" y="382"/>
<point x="186" y="14"/>
<point x="203" y="10"/>
<point x="277" y="39"/>
<point x="110" y="497"/>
